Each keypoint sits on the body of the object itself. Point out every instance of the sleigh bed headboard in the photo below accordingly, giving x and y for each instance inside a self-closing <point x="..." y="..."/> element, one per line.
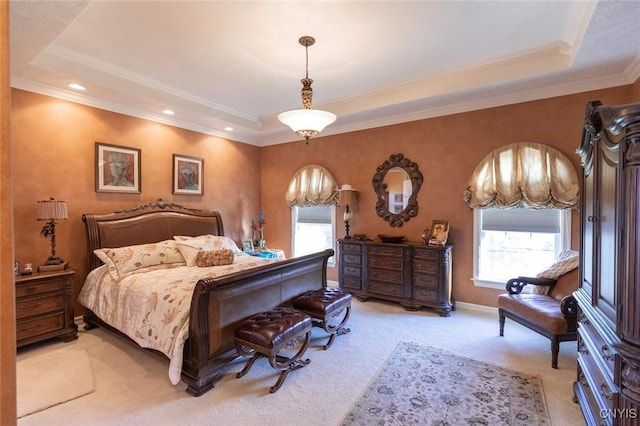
<point x="147" y="223"/>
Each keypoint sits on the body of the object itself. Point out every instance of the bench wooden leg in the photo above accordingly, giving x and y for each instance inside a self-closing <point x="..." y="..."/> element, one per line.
<point x="501" y="319"/>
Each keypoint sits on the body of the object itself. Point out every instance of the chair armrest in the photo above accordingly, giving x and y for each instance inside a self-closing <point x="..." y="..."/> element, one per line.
<point x="515" y="285"/>
<point x="569" y="307"/>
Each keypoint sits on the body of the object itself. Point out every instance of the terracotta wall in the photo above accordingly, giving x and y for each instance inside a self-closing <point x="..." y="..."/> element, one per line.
<point x="53" y="149"/>
<point x="446" y="149"/>
<point x="53" y="156"/>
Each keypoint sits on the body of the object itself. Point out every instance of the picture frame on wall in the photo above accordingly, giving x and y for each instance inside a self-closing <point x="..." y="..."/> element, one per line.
<point x="118" y="168"/>
<point x="188" y="175"/>
<point x="439" y="233"/>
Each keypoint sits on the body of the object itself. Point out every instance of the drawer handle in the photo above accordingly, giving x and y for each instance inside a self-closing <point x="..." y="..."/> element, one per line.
<point x="582" y="348"/>
<point x="605" y="392"/>
<point x="606" y="353"/>
<point x="30" y="290"/>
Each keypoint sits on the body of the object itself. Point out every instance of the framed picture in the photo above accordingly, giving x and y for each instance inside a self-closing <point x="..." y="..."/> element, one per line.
<point x="188" y="175"/>
<point x="439" y="232"/>
<point x="118" y="168"/>
<point x="247" y="245"/>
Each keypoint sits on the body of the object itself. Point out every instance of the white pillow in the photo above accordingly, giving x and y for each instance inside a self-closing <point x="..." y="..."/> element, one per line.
<point x="190" y="246"/>
<point x="123" y="261"/>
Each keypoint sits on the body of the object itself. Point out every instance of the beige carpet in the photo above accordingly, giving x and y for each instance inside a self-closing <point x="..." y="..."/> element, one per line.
<point x="133" y="388"/>
<point x="52" y="378"/>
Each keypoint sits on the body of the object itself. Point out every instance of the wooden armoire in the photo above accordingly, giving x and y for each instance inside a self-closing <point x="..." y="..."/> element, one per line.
<point x="608" y="380"/>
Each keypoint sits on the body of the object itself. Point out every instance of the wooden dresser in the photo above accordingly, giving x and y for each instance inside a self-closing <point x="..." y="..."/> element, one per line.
<point x="608" y="379"/>
<point x="44" y="307"/>
<point x="412" y="274"/>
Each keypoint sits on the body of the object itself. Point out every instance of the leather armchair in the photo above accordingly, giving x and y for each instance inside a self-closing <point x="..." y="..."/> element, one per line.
<point x="553" y="315"/>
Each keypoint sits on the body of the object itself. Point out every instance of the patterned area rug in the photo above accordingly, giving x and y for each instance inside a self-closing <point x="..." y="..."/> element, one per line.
<point x="426" y="386"/>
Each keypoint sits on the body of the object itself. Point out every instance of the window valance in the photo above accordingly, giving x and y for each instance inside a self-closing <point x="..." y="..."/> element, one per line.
<point x="524" y="174"/>
<point x="311" y="186"/>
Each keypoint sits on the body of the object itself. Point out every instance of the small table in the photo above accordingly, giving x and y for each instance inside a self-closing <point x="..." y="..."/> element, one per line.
<point x="44" y="307"/>
<point x="267" y="253"/>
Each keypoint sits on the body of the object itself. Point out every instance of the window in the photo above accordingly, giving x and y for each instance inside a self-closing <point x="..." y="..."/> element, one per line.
<point x="313" y="230"/>
<point x="513" y="242"/>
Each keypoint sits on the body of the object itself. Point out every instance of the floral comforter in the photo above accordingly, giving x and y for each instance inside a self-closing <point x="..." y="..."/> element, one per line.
<point x="152" y="308"/>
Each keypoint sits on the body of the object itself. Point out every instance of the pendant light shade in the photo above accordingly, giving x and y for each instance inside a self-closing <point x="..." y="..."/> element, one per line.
<point x="307" y="122"/>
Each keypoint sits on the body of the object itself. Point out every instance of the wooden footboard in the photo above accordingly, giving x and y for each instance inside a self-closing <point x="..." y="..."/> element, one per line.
<point x="218" y="306"/>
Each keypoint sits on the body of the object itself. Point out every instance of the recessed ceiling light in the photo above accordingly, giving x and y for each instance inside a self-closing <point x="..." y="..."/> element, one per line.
<point x="76" y="86"/>
<point x="229" y="129"/>
<point x="168" y="112"/>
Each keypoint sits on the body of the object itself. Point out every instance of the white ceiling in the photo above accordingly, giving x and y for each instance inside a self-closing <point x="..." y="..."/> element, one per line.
<point x="239" y="64"/>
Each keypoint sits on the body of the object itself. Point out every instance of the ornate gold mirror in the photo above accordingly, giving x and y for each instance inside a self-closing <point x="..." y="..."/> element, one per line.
<point x="396" y="183"/>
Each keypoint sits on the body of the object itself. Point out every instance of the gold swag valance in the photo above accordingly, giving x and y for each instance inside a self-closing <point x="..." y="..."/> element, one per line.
<point x="312" y="186"/>
<point x="525" y="174"/>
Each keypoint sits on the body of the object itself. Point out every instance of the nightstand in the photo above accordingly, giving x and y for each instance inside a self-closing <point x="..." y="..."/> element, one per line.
<point x="44" y="307"/>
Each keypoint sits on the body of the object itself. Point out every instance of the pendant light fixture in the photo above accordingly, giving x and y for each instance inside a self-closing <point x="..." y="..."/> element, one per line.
<point x="307" y="122"/>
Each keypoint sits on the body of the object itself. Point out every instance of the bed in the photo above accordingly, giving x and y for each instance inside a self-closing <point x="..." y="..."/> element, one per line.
<point x="218" y="302"/>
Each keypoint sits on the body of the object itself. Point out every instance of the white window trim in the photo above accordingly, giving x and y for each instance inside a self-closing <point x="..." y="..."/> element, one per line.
<point x="294" y="220"/>
<point x="565" y="226"/>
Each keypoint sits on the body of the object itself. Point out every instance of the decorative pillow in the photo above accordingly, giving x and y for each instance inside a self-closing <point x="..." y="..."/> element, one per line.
<point x="566" y="261"/>
<point x="214" y="257"/>
<point x="123" y="261"/>
<point x="190" y="246"/>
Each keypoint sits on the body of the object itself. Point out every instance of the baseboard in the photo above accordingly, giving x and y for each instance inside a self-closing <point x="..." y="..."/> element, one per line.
<point x="477" y="308"/>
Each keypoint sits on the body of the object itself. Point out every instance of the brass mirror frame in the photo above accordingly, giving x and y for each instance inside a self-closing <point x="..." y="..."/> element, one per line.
<point x="411" y="210"/>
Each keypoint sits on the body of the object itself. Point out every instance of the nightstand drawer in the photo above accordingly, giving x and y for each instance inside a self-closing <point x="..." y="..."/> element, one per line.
<point x="43" y="286"/>
<point x="41" y="325"/>
<point x="38" y="305"/>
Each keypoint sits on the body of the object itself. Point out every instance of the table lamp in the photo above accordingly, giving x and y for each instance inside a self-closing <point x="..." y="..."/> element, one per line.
<point x="51" y="211"/>
<point x="348" y="197"/>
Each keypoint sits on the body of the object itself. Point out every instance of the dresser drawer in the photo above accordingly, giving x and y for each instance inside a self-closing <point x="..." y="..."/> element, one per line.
<point x="40" y="325"/>
<point x="43" y="286"/>
<point x="353" y="248"/>
<point x="385" y="262"/>
<point x="383" y="275"/>
<point x="425" y="266"/>
<point x="390" y="250"/>
<point x="425" y="294"/>
<point x="351" y="259"/>
<point x="425" y="253"/>
<point x="351" y="283"/>
<point x="385" y="288"/>
<point x="425" y="280"/>
<point x="355" y="271"/>
<point x="38" y="305"/>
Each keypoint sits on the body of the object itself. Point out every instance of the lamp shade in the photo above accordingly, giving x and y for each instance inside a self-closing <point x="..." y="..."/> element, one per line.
<point x="52" y="210"/>
<point x="307" y="122"/>
<point x="348" y="196"/>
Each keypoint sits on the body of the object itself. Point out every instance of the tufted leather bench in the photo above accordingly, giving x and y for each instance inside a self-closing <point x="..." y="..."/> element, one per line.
<point x="269" y="333"/>
<point x="324" y="306"/>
